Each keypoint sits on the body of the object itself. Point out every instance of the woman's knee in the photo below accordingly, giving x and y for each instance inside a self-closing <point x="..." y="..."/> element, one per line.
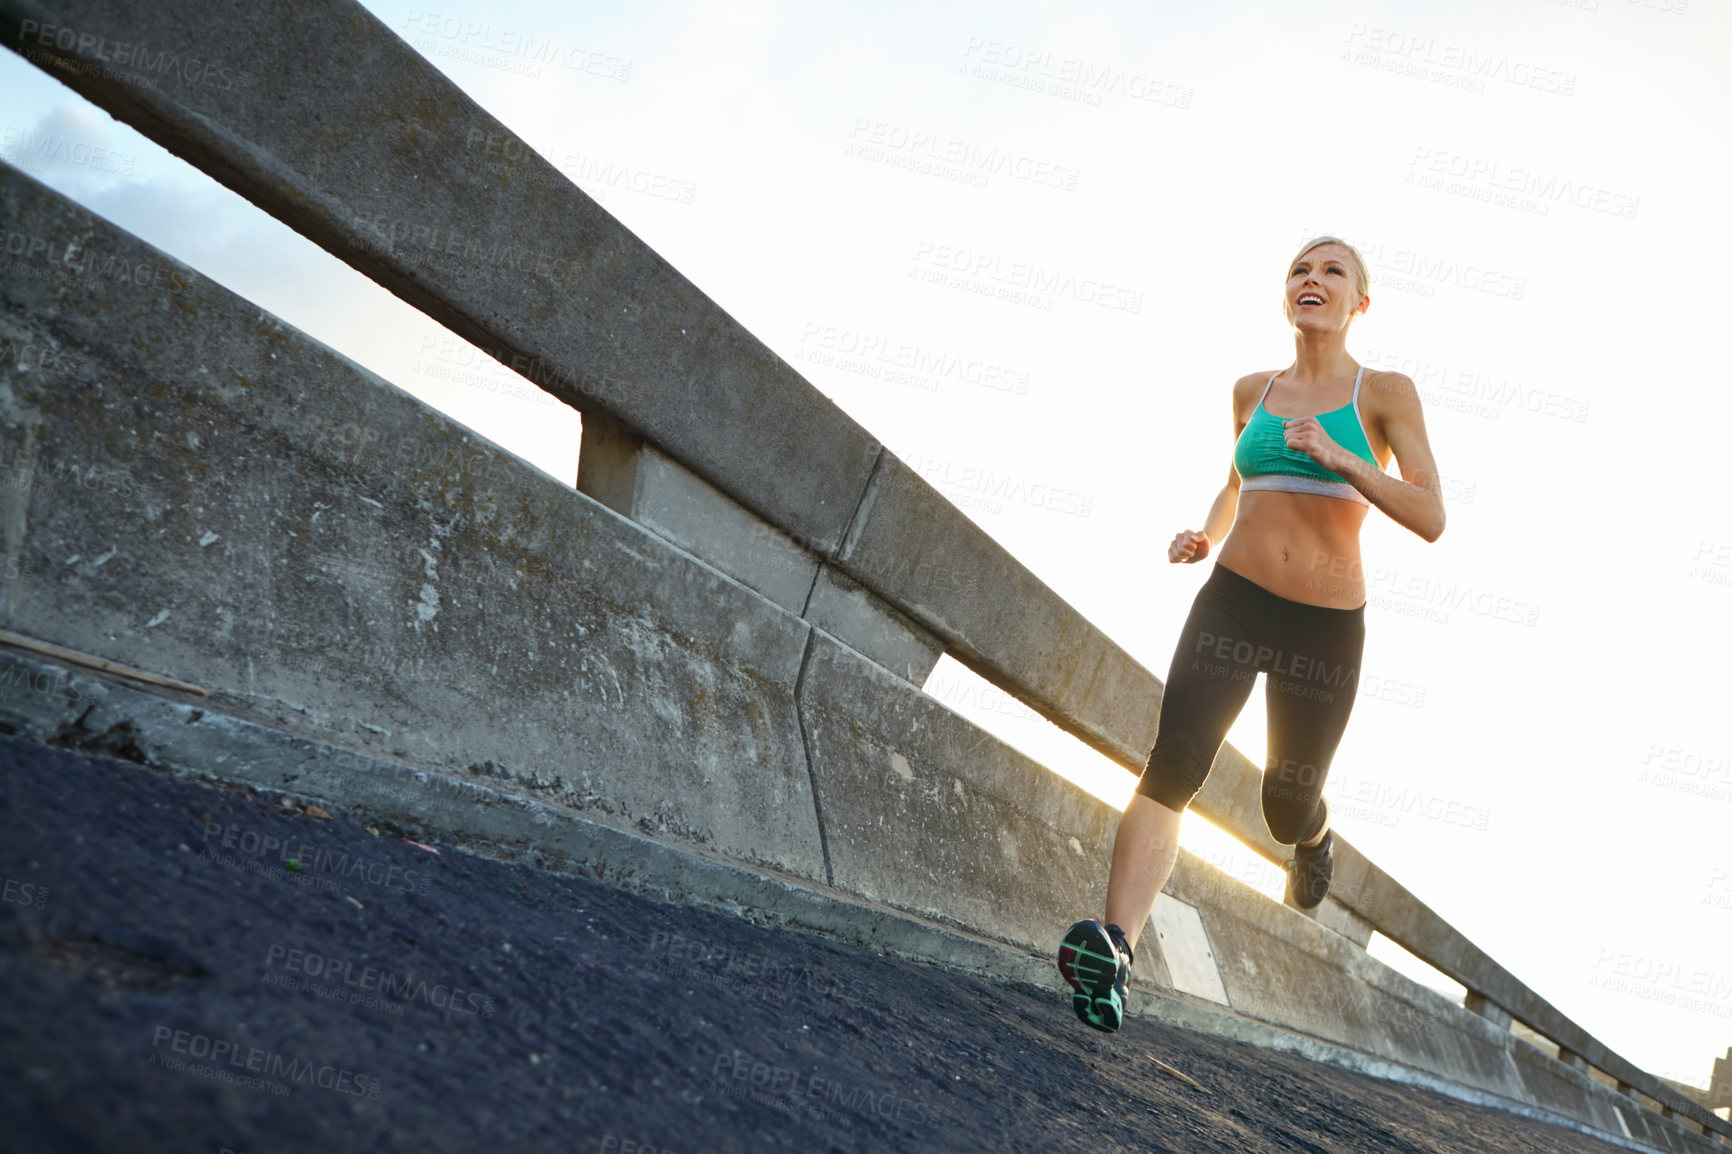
<point x="1291" y="822"/>
<point x="1292" y="799"/>
<point x="1175" y="772"/>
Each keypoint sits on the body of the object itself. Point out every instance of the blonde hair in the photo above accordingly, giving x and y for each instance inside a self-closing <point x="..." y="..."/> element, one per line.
<point x="1355" y="261"/>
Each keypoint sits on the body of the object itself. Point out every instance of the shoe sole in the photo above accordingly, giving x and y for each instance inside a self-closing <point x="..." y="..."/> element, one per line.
<point x="1087" y="960"/>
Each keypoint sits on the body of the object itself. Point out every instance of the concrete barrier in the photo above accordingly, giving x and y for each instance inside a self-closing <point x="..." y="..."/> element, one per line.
<point x="415" y="185"/>
<point x="560" y="292"/>
<point x="636" y="480"/>
<point x="563" y="294"/>
<point x="228" y="502"/>
<point x="924" y="811"/>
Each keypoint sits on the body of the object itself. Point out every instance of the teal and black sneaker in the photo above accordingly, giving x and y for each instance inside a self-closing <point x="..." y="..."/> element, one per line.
<point x="1096" y="961"/>
<point x="1311" y="871"/>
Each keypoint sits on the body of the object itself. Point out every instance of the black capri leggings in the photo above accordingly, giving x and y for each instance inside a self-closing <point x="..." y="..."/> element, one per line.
<point x="1236" y="630"/>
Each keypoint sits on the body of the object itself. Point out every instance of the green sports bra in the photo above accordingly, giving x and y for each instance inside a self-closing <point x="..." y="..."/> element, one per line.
<point x="1264" y="461"/>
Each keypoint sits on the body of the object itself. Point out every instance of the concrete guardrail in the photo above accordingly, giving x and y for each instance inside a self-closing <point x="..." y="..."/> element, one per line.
<point x="437" y="201"/>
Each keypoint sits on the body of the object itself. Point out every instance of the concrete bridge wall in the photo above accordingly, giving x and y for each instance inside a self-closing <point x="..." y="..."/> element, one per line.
<point x="216" y="497"/>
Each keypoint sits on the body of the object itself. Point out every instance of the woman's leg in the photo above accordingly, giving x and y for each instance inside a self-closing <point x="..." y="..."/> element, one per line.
<point x="1208" y="683"/>
<point x="1211" y="676"/>
<point x="1309" y="704"/>
<point x="1144" y="851"/>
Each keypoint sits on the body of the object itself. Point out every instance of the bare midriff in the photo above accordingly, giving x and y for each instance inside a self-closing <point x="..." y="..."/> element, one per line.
<point x="1299" y="546"/>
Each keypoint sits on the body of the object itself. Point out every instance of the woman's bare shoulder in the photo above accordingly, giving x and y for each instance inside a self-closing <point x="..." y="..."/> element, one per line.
<point x="1247" y="391"/>
<point x="1253" y="382"/>
<point x="1390" y="391"/>
<point x="1249" y="387"/>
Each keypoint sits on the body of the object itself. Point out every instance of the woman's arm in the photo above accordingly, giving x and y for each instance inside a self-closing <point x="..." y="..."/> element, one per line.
<point x="1190" y="545"/>
<point x="1416" y="501"/>
<point x="1225" y="508"/>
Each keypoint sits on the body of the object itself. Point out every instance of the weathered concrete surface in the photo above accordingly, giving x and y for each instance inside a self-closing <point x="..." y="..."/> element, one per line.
<point x="515" y="1008"/>
<point x="205" y="493"/>
<point x="1407" y="920"/>
<point x="851" y="613"/>
<point x="352" y="139"/>
<point x="1340" y="918"/>
<point x="925" y="811"/>
<point x="53" y="704"/>
<point x="634" y="480"/>
<point x="638" y="481"/>
<point x="1280" y="967"/>
<point x="924" y="555"/>
<point x="1488" y="1009"/>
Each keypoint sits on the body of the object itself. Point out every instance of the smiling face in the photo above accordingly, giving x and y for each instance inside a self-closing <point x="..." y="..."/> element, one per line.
<point x="1324" y="290"/>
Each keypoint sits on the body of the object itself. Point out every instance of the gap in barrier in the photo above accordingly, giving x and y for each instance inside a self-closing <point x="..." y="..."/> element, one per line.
<point x="1602" y="1077"/>
<point x="263" y="260"/>
<point x="969" y="695"/>
<point x="1400" y="960"/>
<point x="965" y="692"/>
<point x="1535" y="1039"/>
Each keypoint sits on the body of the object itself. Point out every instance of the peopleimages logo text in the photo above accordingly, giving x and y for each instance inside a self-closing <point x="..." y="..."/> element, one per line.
<point x="372" y="979"/>
<point x="1024" y="275"/>
<point x="302" y="857"/>
<point x="267" y="1063"/>
<point x="90" y="46"/>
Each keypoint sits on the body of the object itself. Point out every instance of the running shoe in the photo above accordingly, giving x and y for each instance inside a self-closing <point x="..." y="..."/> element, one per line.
<point x="1096" y="961"/>
<point x="1311" y="871"/>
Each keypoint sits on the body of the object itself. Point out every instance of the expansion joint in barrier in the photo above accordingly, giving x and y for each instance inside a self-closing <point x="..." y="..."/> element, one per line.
<point x="806" y="746"/>
<point x="857" y="519"/>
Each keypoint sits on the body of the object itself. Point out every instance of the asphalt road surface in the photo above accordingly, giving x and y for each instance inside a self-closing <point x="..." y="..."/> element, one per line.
<point x="186" y="968"/>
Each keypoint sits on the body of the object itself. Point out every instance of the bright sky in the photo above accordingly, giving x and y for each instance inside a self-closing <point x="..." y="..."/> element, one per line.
<point x="1031" y="253"/>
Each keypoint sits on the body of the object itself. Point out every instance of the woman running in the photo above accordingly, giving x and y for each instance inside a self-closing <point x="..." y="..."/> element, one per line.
<point x="1286" y="598"/>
